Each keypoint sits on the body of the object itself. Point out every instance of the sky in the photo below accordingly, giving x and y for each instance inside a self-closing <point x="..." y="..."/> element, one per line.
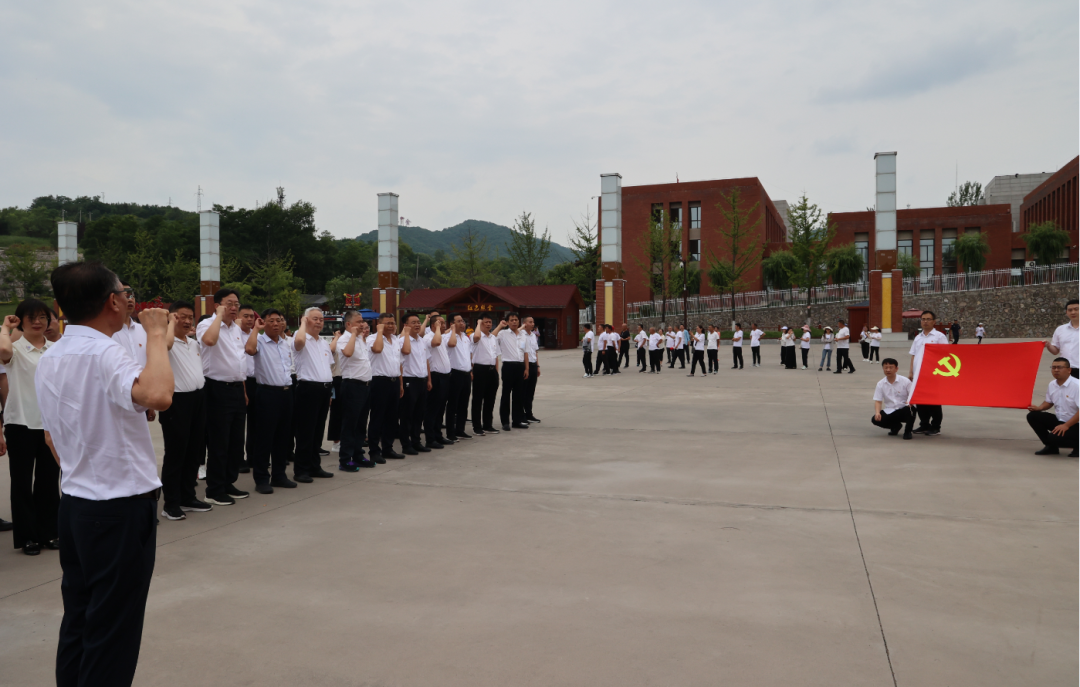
<point x="485" y="109"/>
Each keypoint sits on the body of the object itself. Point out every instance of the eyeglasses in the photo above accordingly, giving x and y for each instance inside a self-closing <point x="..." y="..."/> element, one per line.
<point x="127" y="290"/>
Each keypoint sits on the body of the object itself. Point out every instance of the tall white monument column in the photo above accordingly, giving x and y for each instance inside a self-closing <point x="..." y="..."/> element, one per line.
<point x="611" y="287"/>
<point x="886" y="282"/>
<point x="67" y="239"/>
<point x="387" y="295"/>
<point x="209" y="260"/>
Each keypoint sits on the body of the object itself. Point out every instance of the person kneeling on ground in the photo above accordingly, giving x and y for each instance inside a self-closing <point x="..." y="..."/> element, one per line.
<point x="891" y="409"/>
<point x="1057" y="429"/>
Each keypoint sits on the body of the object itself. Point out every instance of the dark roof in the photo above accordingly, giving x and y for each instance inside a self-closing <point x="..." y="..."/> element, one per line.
<point x="554" y="296"/>
<point x="428" y="298"/>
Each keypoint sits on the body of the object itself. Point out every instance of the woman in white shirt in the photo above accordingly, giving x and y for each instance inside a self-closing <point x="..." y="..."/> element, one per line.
<point x="980" y="332"/>
<point x="864" y="342"/>
<point x="736" y="347"/>
<point x="805" y="346"/>
<point x="35" y="476"/>
<point x="699" y="352"/>
<point x="788" y="343"/>
<point x="875" y="343"/>
<point x="826" y="351"/>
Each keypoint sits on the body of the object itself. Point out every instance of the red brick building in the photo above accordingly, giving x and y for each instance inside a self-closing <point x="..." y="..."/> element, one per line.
<point x="1055" y="200"/>
<point x="692" y="207"/>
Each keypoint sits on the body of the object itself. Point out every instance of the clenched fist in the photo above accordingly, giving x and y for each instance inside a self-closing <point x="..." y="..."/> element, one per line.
<point x="154" y="321"/>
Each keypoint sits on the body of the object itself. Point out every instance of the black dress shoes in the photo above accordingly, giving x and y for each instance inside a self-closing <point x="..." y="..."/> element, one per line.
<point x="6" y="525"/>
<point x="319" y="472"/>
<point x="446" y="442"/>
<point x="506" y="428"/>
<point x="377" y="458"/>
<point x="410" y="451"/>
<point x="245" y="467"/>
<point x="31" y="548"/>
<point x="53" y="544"/>
<point x="264" y="489"/>
<point x="490" y="430"/>
<point x="520" y="425"/>
<point x="463" y="435"/>
<point x="394" y="455"/>
<point x="436" y="445"/>
<point x="282" y="483"/>
<point x="365" y="463"/>
<point x="422" y="449"/>
<point x="1048" y="451"/>
<point x="306" y="479"/>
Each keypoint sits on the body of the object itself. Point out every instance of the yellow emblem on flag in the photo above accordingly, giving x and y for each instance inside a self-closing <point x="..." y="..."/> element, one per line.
<point x="950" y="369"/>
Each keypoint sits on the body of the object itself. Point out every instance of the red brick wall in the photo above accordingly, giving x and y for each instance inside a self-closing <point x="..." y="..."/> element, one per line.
<point x="1055" y="199"/>
<point x="637" y="202"/>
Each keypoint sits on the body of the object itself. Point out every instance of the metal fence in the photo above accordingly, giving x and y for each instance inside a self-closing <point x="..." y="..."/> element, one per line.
<point x="750" y="300"/>
<point x="992" y="279"/>
<point x="587" y="315"/>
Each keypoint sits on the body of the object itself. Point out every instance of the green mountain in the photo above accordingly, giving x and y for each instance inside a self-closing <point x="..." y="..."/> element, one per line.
<point x="498" y="238"/>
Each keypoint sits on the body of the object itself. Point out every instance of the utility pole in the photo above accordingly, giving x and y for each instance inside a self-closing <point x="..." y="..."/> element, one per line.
<point x="198" y="199"/>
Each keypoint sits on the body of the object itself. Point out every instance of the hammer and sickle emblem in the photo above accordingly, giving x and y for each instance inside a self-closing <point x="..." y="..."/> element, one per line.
<point x="950" y="369"/>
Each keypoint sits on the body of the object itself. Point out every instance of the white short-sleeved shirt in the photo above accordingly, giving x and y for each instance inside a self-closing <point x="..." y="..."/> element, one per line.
<point x="642" y="339"/>
<point x="919" y="344"/>
<point x="699" y="342"/>
<point x="875" y="340"/>
<point x="601" y="341"/>
<point x="846" y="343"/>
<point x="132" y="337"/>
<point x="100" y="435"/>
<point x="670" y="339"/>
<point x="755" y="337"/>
<point x="656" y="341"/>
<point x="893" y="396"/>
<point x="510" y="346"/>
<point x="439" y="355"/>
<point x="387" y="362"/>
<point x="314" y="360"/>
<point x="249" y="361"/>
<point x="1063" y="396"/>
<point x="1067" y="340"/>
<point x="461" y="354"/>
<point x="587" y="340"/>
<point x="186" y="363"/>
<point x="273" y="360"/>
<point x="680" y="340"/>
<point x="530" y="343"/>
<point x="416" y="363"/>
<point x="357" y="365"/>
<point x="736" y="338"/>
<point x="805" y="340"/>
<point x="714" y="341"/>
<point x="980" y="332"/>
<point x="224" y="361"/>
<point x="484" y="350"/>
<point x="22" y="403"/>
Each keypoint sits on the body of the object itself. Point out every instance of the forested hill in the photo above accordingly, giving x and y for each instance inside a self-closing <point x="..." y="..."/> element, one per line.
<point x="429" y="242"/>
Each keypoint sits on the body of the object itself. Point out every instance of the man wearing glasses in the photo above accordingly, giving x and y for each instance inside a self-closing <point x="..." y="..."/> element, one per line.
<point x="1058" y="429"/>
<point x="132" y="336"/>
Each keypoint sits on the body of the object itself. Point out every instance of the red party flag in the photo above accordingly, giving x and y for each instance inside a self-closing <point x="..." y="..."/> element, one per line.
<point x="983" y="375"/>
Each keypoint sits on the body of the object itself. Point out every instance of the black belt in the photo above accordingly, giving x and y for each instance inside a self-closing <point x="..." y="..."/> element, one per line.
<point x="274" y="387"/>
<point x="218" y="381"/>
<point x="323" y="385"/>
<point x="153" y="494"/>
<point x="480" y="365"/>
<point x="513" y="362"/>
<point x="354" y="381"/>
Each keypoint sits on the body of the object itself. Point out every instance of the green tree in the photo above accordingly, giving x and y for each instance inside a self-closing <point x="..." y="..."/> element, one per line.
<point x="528" y="251"/>
<point x="905" y="262"/>
<point x="660" y="251"/>
<point x="1046" y="242"/>
<point x="971" y="251"/>
<point x="179" y="278"/>
<point x="111" y="239"/>
<point x="777" y="269"/>
<point x="468" y="264"/>
<point x="741" y="247"/>
<point x="265" y="284"/>
<point x="692" y="281"/>
<point x="142" y="266"/>
<point x="844" y="264"/>
<point x="810" y="235"/>
<point x="969" y="193"/>
<point x="336" y="289"/>
<point x="584" y="246"/>
<point x="27" y="272"/>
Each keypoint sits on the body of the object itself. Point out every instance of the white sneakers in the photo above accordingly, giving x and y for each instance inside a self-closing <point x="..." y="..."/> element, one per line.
<point x="202" y="472"/>
<point x="336" y="447"/>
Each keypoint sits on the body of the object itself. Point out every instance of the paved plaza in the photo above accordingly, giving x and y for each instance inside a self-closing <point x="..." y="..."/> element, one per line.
<point x="748" y="528"/>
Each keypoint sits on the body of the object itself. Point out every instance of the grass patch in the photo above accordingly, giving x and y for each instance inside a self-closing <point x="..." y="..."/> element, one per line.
<point x="34" y="241"/>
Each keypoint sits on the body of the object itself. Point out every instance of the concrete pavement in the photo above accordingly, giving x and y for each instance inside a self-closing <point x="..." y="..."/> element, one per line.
<point x="748" y="528"/>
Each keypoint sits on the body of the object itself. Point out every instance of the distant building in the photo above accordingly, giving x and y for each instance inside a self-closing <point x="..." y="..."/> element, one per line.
<point x="1010" y="189"/>
<point x="1055" y="199"/>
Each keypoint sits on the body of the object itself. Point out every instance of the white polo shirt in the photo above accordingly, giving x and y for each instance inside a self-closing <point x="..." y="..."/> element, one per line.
<point x="132" y="337"/>
<point x="919" y="344"/>
<point x="357" y="365"/>
<point x="439" y="355"/>
<point x="670" y="336"/>
<point x="656" y="342"/>
<point x="224" y="361"/>
<point x="314" y="360"/>
<point x="641" y="339"/>
<point x="530" y="344"/>
<point x="587" y="340"/>
<point x="249" y="361"/>
<point x="1067" y="340"/>
<point x="510" y="346"/>
<point x="736" y="338"/>
<point x="22" y="403"/>
<point x="680" y="340"/>
<point x="714" y="341"/>
<point x="416" y="363"/>
<point x="101" y="436"/>
<point x="699" y="342"/>
<point x="461" y="354"/>
<point x="273" y="360"/>
<point x="755" y="337"/>
<point x="1063" y="396"/>
<point x="186" y="364"/>
<point x="846" y="343"/>
<point x="387" y="362"/>
<point x="484" y="351"/>
<point x="893" y="396"/>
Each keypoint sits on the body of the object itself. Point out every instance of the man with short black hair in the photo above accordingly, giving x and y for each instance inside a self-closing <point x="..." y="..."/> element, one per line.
<point x="1058" y="429"/>
<point x="485" y="376"/>
<point x="656" y="350"/>
<point x="439" y="342"/>
<point x="624" y="346"/>
<point x="1066" y="339"/>
<point x="531" y="346"/>
<point x="843" y="350"/>
<point x="355" y="366"/>
<point x="612" y="357"/>
<point x="246" y="317"/>
<point x="891" y="409"/>
<point x="457" y="405"/>
<point x="314" y="379"/>
<point x="515" y="372"/>
<point x="641" y="340"/>
<point x="930" y="416"/>
<point x="415" y="385"/>
<point x="587" y="341"/>
<point x="386" y="351"/>
<point x="131" y="336"/>
<point x="273" y="433"/>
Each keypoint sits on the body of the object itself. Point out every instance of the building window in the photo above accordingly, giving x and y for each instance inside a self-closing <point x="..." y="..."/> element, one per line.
<point x="1018" y="258"/>
<point x="676" y="215"/>
<point x="904" y="243"/>
<point x="695" y="250"/>
<point x="926" y="257"/>
<point x="862" y="245"/>
<point x="695" y="215"/>
<point x="948" y="251"/>
<point x="658" y="212"/>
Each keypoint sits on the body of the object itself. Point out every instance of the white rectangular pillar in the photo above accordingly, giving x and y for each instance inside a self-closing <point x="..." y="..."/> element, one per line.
<point x="67" y="239"/>
<point x="388" y="234"/>
<point x="209" y="246"/>
<point x="885" y="205"/>
<point x="611" y="218"/>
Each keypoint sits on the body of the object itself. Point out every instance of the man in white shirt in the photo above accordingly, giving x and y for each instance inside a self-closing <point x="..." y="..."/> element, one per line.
<point x="641" y="342"/>
<point x="755" y="344"/>
<point x="314" y="379"/>
<point x="386" y="351"/>
<point x="1057" y="430"/>
<point x="415" y="385"/>
<point x="271" y="352"/>
<point x="980" y="332"/>
<point x="587" y="341"/>
<point x="93" y="398"/>
<point x="656" y="351"/>
<point x="246" y="317"/>
<point x="804" y="346"/>
<point x="843" y="343"/>
<point x="485" y="376"/>
<point x="1066" y="339"/>
<point x="680" y="348"/>
<point x="929" y="416"/>
<point x="712" y="349"/>
<point x="891" y="409"/>
<point x="531" y="345"/>
<point x="515" y="372"/>
<point x="131" y="336"/>
<point x="457" y="405"/>
<point x="669" y="340"/>
<point x="736" y="347"/>
<point x="602" y="351"/>
<point x="183" y="425"/>
<point x="223" y="366"/>
<point x="612" y="358"/>
<point x="440" y="342"/>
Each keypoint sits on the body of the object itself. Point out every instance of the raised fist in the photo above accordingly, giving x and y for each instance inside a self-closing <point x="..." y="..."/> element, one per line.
<point x="11" y="322"/>
<point x="154" y="320"/>
<point x="219" y="311"/>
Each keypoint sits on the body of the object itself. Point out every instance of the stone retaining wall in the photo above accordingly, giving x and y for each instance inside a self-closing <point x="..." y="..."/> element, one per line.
<point x="769" y="319"/>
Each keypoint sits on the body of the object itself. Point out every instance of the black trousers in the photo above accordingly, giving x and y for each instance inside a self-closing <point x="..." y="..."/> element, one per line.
<point x="311" y="409"/>
<point x="679" y="357"/>
<point x="457" y="405"/>
<point x="586" y="361"/>
<point x="929" y="416"/>
<point x="107" y="559"/>
<point x="641" y="358"/>
<point x="436" y="406"/>
<point x="805" y="356"/>
<point x="513" y="387"/>
<point x="530" y="390"/>
<point x="351" y="400"/>
<point x="624" y="354"/>
<point x="755" y="354"/>
<point x="333" y="428"/>
<point x="182" y="427"/>
<point x="902" y="418"/>
<point x="789" y="357"/>
<point x="612" y="360"/>
<point x="713" y="354"/>
<point x="35" y="485"/>
<point x="250" y="388"/>
<point x="485" y="388"/>
<point x="1042" y="422"/>
<point x="656" y="360"/>
<point x="383" y="400"/>
<point x="411" y="409"/>
<point x="736" y="357"/>
<point x="865" y="349"/>
<point x="601" y="362"/>
<point x="875" y="353"/>
<point x="843" y="360"/>
<point x="273" y="432"/>
<point x="671" y="356"/>
<point x="698" y="358"/>
<point x="225" y="416"/>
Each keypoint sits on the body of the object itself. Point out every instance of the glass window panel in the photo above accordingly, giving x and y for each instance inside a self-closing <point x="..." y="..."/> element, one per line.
<point x="926" y="258"/>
